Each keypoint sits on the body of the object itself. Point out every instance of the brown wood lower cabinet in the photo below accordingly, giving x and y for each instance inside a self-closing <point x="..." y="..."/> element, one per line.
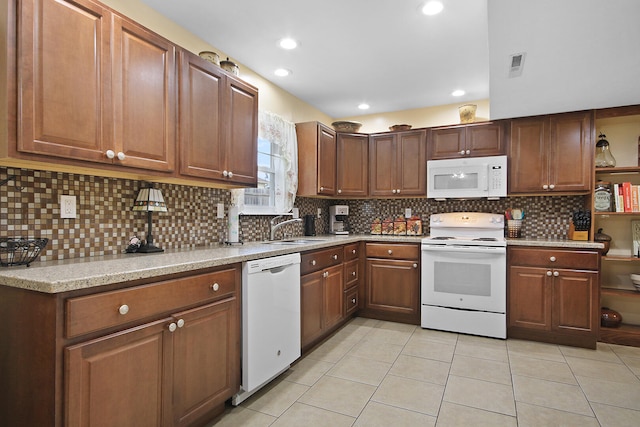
<point x="393" y="282"/>
<point x="553" y="296"/>
<point x="107" y="358"/>
<point x="321" y="303"/>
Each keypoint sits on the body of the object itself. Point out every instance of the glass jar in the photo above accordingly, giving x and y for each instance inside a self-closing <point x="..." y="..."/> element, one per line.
<point x="602" y="199"/>
<point x="604" y="158"/>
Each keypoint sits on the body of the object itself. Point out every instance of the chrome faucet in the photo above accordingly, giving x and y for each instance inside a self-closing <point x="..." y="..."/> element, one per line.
<point x="275" y="227"/>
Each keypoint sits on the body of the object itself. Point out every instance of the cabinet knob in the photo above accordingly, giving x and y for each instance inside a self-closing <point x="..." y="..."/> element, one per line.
<point x="225" y="173"/>
<point x="110" y="154"/>
<point x="321" y="188"/>
<point x="124" y="309"/>
<point x="172" y="327"/>
<point x="393" y="191"/>
<point x="552" y="259"/>
<point x="467" y="152"/>
<point x="353" y="300"/>
<point x="398" y="191"/>
<point x="230" y="174"/>
<point x="121" y="155"/>
<point x="353" y="251"/>
<point x="180" y="323"/>
<point x="390" y="252"/>
<point x="556" y="274"/>
<point x="545" y="187"/>
<point x="353" y="273"/>
<point x="313" y="262"/>
<point x="215" y="287"/>
<point x="415" y="265"/>
<point x="551" y="186"/>
<point x="339" y="191"/>
<point x="462" y="152"/>
<point x="335" y="257"/>
<point x="549" y="273"/>
<point x="325" y="274"/>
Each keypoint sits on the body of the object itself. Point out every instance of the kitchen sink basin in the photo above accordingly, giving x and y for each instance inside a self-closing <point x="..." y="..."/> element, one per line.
<point x="294" y="241"/>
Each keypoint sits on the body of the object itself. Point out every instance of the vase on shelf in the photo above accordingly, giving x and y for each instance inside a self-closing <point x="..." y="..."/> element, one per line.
<point x="604" y="158"/>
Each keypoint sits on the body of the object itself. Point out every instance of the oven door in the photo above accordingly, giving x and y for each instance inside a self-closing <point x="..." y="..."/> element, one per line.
<point x="464" y="277"/>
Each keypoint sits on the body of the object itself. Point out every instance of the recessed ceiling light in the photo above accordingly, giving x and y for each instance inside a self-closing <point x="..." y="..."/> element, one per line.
<point x="282" y="72"/>
<point x="458" y="92"/>
<point x="363" y="106"/>
<point x="288" y="43"/>
<point x="432" y="8"/>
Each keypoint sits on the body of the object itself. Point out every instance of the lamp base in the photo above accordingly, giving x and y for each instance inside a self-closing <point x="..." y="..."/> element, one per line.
<point x="149" y="249"/>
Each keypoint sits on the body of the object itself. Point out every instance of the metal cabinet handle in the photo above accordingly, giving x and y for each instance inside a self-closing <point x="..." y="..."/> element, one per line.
<point x="230" y="174"/>
<point x="215" y="287"/>
<point x="321" y="188"/>
<point x="353" y="273"/>
<point x="335" y="257"/>
<point x="556" y="274"/>
<point x="325" y="274"/>
<point x="353" y="251"/>
<point x="110" y="154"/>
<point x="313" y="262"/>
<point x="353" y="300"/>
<point x="389" y="251"/>
<point x="545" y="187"/>
<point x="398" y="191"/>
<point x="462" y="152"/>
<point x="415" y="265"/>
<point x="339" y="191"/>
<point x="180" y="323"/>
<point x="225" y="173"/>
<point x="549" y="273"/>
<point x="552" y="259"/>
<point x="121" y="155"/>
<point x="551" y="186"/>
<point x="393" y="191"/>
<point x="468" y="152"/>
<point x="123" y="309"/>
<point x="172" y="327"/>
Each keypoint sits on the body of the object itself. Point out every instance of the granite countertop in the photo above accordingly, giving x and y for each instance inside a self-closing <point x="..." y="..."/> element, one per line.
<point x="73" y="274"/>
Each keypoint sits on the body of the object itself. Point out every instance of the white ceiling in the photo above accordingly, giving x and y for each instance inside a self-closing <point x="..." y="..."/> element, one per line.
<point x="381" y="52"/>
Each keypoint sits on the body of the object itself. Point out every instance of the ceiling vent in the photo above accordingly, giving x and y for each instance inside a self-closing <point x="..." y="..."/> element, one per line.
<point x="516" y="64"/>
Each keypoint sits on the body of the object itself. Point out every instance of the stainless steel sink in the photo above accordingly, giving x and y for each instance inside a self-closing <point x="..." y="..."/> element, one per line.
<point x="294" y="241"/>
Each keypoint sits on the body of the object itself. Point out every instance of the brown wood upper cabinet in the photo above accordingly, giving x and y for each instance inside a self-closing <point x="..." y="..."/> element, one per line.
<point x="351" y="165"/>
<point x="397" y="164"/>
<point x="316" y="159"/>
<point x="474" y="140"/>
<point x="552" y="153"/>
<point x="83" y="95"/>
<point x="218" y="123"/>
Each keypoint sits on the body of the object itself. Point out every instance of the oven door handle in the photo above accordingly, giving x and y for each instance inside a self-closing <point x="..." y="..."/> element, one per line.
<point x="465" y="249"/>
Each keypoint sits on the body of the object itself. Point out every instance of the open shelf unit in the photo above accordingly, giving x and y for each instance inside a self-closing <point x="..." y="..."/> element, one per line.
<point x="622" y="129"/>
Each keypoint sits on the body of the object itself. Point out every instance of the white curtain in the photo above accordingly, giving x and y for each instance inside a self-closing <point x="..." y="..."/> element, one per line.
<point x="283" y="136"/>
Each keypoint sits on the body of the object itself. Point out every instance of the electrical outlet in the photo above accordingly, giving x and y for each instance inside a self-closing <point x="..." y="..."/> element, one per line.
<point x="296" y="213"/>
<point x="407" y="212"/>
<point x="67" y="206"/>
<point x="319" y="212"/>
<point x="220" y="210"/>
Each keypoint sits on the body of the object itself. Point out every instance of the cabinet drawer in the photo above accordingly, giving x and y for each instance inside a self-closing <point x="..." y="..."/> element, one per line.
<point x="351" y="251"/>
<point x="351" y="273"/>
<point x="554" y="258"/>
<point x="393" y="251"/>
<point x="107" y="309"/>
<point x="350" y="301"/>
<point x="317" y="260"/>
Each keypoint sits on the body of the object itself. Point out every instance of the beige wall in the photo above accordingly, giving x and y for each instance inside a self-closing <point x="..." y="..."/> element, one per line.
<point x="420" y="117"/>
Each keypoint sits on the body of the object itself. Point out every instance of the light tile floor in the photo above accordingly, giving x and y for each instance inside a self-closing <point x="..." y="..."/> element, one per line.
<point x="375" y="373"/>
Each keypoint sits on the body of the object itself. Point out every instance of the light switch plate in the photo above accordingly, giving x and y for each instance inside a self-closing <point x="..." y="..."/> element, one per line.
<point x="220" y="210"/>
<point x="319" y="212"/>
<point x="67" y="206"/>
<point x="407" y="212"/>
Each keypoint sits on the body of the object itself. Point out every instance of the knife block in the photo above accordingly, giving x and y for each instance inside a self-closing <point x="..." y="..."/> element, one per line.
<point x="577" y="235"/>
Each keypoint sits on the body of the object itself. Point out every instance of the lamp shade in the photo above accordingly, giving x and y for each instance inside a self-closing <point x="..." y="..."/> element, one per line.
<point x="150" y="200"/>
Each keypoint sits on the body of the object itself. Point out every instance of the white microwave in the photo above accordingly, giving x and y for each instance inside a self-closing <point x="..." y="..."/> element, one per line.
<point x="467" y="178"/>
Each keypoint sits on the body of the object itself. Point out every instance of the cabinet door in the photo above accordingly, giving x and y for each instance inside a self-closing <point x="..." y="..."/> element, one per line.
<point x="311" y="307"/>
<point x="241" y="142"/>
<point x="382" y="164"/>
<point x="528" y="156"/>
<point x="144" y="97"/>
<point x="485" y="140"/>
<point x="352" y="165"/>
<point x="572" y="152"/>
<point x="447" y="143"/>
<point x="411" y="155"/>
<point x="393" y="286"/>
<point x="64" y="79"/>
<point x="121" y="378"/>
<point x="326" y="167"/>
<point x="575" y="300"/>
<point x="201" y="93"/>
<point x="206" y="360"/>
<point x="333" y="293"/>
<point x="530" y="295"/>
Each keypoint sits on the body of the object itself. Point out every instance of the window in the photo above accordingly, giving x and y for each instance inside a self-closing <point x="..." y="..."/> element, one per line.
<point x="277" y="169"/>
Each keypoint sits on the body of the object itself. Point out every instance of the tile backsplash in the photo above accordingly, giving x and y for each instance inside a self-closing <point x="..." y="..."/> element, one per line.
<point x="30" y="207"/>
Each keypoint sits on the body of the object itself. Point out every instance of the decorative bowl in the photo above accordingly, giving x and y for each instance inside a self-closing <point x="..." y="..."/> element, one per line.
<point x="395" y="128"/>
<point x="346" y="126"/>
<point x="20" y="251"/>
<point x="610" y="318"/>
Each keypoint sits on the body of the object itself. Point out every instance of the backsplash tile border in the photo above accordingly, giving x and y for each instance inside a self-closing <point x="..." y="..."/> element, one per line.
<point x="29" y="207"/>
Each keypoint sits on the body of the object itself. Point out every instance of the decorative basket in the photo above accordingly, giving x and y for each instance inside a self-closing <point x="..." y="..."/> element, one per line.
<point x="20" y="251"/>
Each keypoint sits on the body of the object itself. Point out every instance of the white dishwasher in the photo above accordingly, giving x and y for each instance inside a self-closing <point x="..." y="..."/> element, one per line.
<point x="270" y="320"/>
